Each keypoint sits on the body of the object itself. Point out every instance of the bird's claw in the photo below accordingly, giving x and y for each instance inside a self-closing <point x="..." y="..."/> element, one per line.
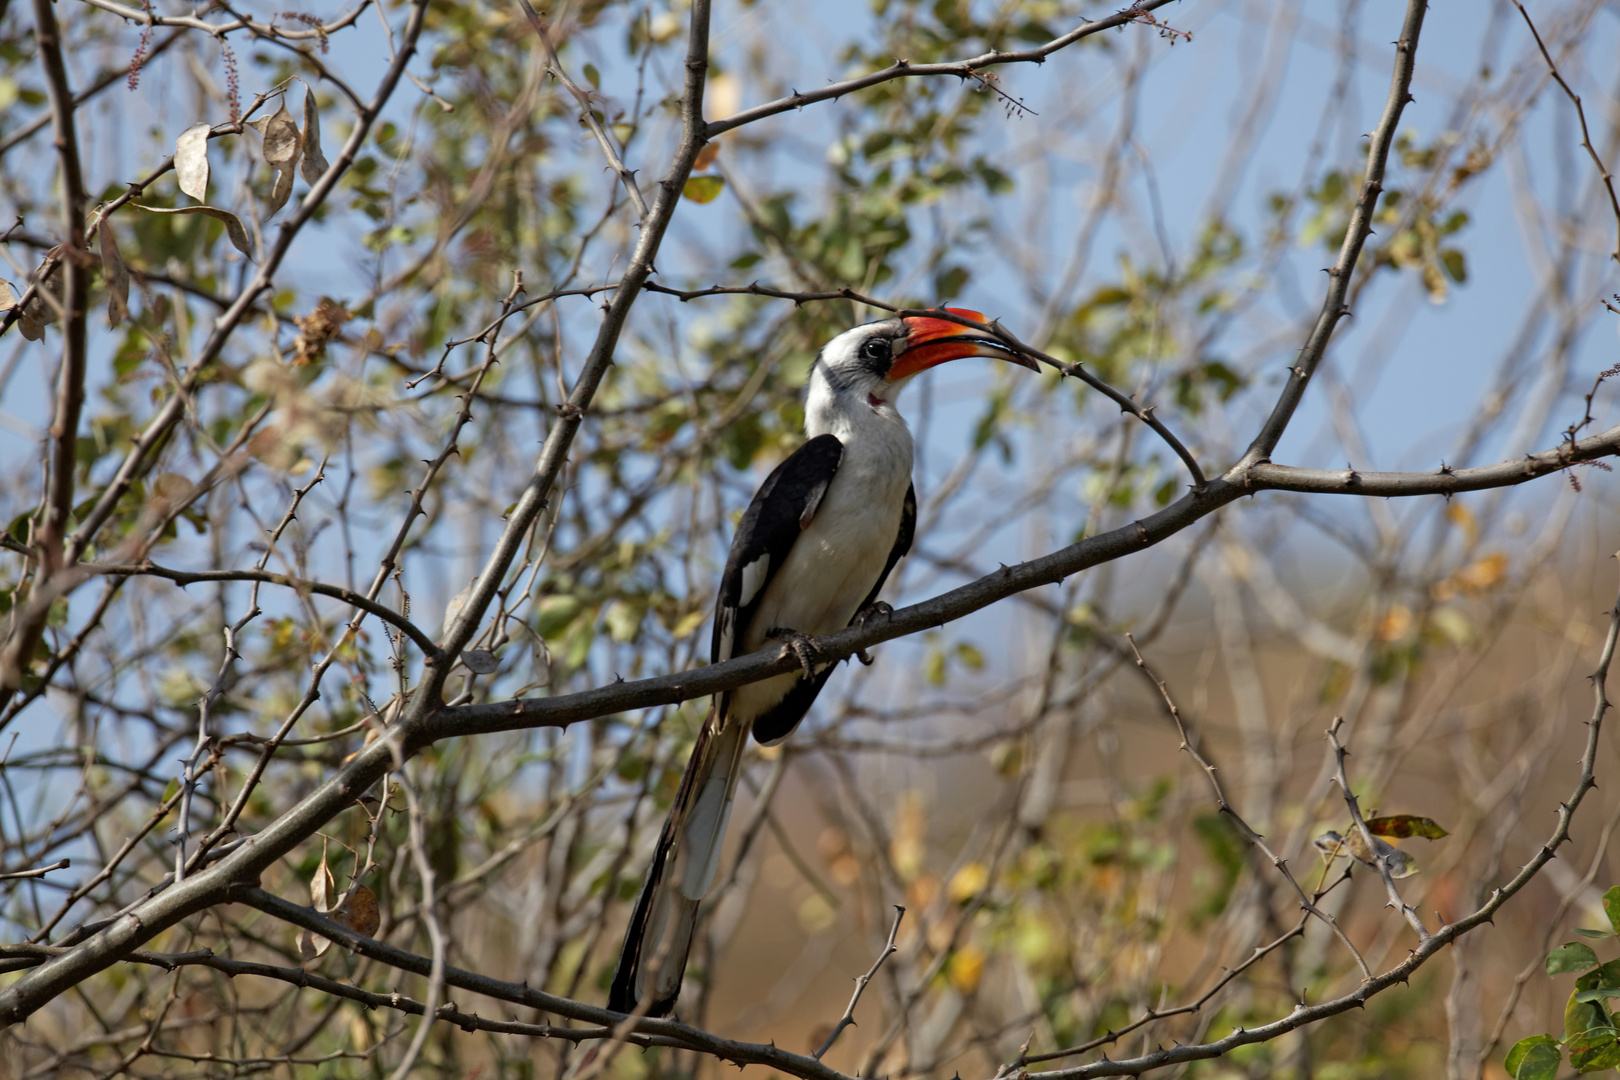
<point x="871" y="611"/>
<point x="799" y="645"/>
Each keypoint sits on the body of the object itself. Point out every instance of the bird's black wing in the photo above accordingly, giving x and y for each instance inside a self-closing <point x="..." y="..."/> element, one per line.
<point x="782" y="508"/>
<point x="778" y="723"/>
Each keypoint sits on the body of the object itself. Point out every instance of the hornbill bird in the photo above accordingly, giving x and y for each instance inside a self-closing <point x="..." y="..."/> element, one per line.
<point x="811" y="553"/>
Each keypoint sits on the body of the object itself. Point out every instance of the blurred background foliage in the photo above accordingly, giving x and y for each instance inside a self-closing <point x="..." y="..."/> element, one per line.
<point x="1154" y="202"/>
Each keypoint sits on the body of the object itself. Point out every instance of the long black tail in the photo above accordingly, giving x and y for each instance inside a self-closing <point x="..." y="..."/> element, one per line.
<point x="659" y="936"/>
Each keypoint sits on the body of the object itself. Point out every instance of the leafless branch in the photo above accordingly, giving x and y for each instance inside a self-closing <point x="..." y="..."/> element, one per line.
<point x="848" y="1019"/>
<point x="1586" y="135"/>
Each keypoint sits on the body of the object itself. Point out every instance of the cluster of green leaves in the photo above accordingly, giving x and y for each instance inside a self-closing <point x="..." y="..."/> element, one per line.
<point x="1591" y="1038"/>
<point x="1416" y="221"/>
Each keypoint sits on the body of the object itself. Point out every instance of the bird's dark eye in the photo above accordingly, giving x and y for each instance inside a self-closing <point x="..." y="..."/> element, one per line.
<point x="875" y="349"/>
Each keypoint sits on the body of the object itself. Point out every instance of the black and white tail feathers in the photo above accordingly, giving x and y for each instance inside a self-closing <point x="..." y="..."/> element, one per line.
<point x="683" y="866"/>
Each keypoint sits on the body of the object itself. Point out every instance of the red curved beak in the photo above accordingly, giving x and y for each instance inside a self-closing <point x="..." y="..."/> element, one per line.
<point x="930" y="342"/>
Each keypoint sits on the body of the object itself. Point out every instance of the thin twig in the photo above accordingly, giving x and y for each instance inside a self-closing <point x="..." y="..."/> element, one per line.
<point x="38" y="871"/>
<point x="1350" y="800"/>
<point x="848" y="1019"/>
<point x="587" y="114"/>
<point x="1126" y="403"/>
<point x="269" y="577"/>
<point x="905" y="69"/>
<point x="1305" y="902"/>
<point x="1586" y="135"/>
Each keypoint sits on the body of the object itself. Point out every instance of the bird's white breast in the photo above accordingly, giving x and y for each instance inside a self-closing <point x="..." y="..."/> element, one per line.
<point x="835" y="562"/>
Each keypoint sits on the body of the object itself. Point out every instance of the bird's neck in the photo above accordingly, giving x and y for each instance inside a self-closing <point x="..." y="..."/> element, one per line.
<point x="864" y="424"/>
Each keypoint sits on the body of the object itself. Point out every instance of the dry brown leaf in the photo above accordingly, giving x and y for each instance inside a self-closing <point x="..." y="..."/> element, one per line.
<point x="117" y="274"/>
<point x="280" y="137"/>
<point x="1404" y="825"/>
<point x="36" y="316"/>
<point x="279" y="193"/>
<point x="191" y="161"/>
<point x="360" y="911"/>
<point x="1484" y="573"/>
<point x="281" y="146"/>
<point x="314" y="165"/>
<point x="480" y="661"/>
<point x="320" y="896"/>
<point x="8" y="299"/>
<point x="317" y="329"/>
<point x="233" y="224"/>
<point x="706" y="156"/>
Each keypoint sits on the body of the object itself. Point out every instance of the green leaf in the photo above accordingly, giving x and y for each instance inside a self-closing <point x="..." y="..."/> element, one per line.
<point x="1599" y="992"/>
<point x="1584" y="932"/>
<point x="1595" y="1050"/>
<point x="1456" y="265"/>
<point x="555" y="614"/>
<point x="1403" y="825"/>
<point x="1603" y="975"/>
<point x="1521" y="1050"/>
<point x="703" y="189"/>
<point x="1540" y="1063"/>
<point x="1571" y="956"/>
<point x="593" y="76"/>
<point x="969" y="656"/>
<point x="1611" y="907"/>
<point x="624" y="619"/>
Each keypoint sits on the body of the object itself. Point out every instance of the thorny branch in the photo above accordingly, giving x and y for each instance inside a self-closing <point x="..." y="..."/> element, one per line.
<point x="904" y="69"/>
<point x="848" y="1019"/>
<point x="1340" y="752"/>
<point x="587" y="115"/>
<point x="1355" y="235"/>
<point x="1586" y="135"/>
<point x="270" y="577"/>
<point x="1305" y="902"/>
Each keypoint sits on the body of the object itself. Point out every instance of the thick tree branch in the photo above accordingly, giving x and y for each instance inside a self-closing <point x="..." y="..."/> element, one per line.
<point x="18" y="650"/>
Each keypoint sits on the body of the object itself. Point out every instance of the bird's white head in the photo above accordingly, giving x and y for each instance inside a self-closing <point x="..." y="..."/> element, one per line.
<point x="859" y="374"/>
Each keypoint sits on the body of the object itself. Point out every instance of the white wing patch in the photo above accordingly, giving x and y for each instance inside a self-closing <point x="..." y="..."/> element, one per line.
<point x="753" y="579"/>
<point x="811" y="504"/>
<point x="728" y="630"/>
